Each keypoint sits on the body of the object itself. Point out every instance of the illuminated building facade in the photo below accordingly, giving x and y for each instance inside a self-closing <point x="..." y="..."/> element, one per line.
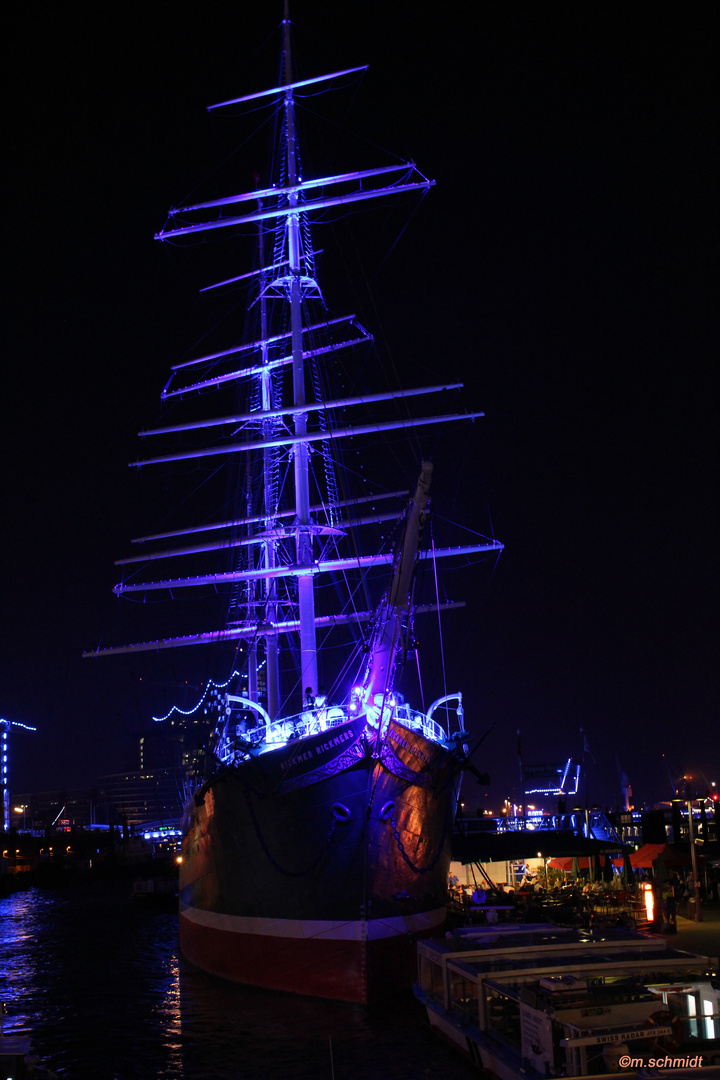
<point x="138" y="797"/>
<point x="57" y="810"/>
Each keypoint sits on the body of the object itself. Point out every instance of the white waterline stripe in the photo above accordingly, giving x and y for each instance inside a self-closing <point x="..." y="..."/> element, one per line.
<point x="355" y="930"/>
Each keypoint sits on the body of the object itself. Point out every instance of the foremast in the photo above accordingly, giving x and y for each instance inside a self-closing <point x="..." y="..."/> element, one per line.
<point x="394" y="624"/>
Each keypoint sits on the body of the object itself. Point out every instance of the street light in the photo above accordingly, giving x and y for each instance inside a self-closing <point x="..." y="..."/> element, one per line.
<point x="697" y="916"/>
<point x="21" y="810"/>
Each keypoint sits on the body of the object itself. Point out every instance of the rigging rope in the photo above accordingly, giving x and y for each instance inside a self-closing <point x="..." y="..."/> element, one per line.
<point x="437" y="608"/>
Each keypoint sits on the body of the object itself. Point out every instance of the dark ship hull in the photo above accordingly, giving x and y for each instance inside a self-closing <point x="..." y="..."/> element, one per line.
<point x="314" y="867"/>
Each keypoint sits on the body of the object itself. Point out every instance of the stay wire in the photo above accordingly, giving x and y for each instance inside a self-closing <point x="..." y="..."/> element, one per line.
<point x="437" y="604"/>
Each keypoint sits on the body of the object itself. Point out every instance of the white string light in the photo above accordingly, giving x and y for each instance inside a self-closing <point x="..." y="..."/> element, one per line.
<point x="211" y="685"/>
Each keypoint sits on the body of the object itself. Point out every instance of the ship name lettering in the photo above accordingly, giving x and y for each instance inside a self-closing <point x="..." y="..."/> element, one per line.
<point x="333" y="742"/>
<point x="296" y="759"/>
<point x="400" y="741"/>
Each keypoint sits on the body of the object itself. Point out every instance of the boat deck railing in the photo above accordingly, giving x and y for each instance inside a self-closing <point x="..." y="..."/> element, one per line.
<point x="316" y="719"/>
<point x="417" y="721"/>
<point x="595" y="825"/>
<point x="310" y="721"/>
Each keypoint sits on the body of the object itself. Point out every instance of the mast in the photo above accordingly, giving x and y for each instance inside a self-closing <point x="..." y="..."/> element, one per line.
<point x="270" y="509"/>
<point x="395" y="612"/>
<point x="277" y="560"/>
<point x="303" y="535"/>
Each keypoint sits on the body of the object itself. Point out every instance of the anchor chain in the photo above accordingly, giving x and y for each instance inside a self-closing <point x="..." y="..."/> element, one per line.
<point x="401" y="847"/>
<point x="341" y="816"/>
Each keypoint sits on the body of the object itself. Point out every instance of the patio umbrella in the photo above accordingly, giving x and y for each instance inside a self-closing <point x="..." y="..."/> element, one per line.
<point x="627" y="871"/>
<point x="660" y="870"/>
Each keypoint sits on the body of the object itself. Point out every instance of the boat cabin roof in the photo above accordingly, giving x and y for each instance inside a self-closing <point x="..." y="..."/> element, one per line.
<point x="490" y="951"/>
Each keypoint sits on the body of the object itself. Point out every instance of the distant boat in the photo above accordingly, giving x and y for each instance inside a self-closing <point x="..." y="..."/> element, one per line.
<point x="316" y="845"/>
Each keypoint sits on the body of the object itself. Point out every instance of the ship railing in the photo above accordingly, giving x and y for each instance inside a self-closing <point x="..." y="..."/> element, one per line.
<point x="316" y="719"/>
<point x="417" y="721"/>
<point x="311" y="721"/>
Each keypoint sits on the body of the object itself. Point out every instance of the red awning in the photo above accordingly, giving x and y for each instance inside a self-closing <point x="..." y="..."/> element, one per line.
<point x="566" y="863"/>
<point x="649" y="853"/>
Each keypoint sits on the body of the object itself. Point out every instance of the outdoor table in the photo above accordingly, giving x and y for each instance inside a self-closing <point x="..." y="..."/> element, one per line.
<point x="498" y="908"/>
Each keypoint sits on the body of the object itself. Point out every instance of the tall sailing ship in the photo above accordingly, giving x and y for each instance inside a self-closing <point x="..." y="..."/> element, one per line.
<point x="316" y="841"/>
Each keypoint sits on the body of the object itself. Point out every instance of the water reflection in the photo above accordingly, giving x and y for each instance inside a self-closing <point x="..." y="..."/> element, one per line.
<point x="99" y="983"/>
<point x="268" y="1034"/>
<point x="25" y="954"/>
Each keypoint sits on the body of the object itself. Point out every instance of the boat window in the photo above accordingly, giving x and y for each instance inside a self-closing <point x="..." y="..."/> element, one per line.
<point x="463" y="997"/>
<point x="503" y="1018"/>
<point x="431" y="978"/>
<point x="712" y="1018"/>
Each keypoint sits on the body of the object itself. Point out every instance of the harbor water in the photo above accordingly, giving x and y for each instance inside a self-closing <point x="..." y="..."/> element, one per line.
<point x="98" y="982"/>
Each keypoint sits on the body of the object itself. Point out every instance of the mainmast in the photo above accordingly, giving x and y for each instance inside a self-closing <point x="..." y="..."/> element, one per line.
<point x="270" y="511"/>
<point x="303" y="534"/>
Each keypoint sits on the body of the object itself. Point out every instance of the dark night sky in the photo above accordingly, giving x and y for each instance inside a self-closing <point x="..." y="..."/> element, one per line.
<point x="564" y="267"/>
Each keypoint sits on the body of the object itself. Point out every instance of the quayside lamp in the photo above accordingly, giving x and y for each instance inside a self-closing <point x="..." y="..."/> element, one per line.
<point x="649" y="900"/>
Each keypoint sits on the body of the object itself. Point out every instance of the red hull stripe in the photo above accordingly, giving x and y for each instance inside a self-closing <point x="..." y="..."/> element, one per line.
<point x="327" y="969"/>
<point x="339" y="968"/>
<point x="316" y="929"/>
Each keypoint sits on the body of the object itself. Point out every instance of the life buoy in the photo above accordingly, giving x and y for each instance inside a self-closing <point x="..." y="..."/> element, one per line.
<point x="665" y="1018"/>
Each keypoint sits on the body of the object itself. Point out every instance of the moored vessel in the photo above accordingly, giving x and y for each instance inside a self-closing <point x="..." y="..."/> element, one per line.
<point x="541" y="1000"/>
<point x="316" y="836"/>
